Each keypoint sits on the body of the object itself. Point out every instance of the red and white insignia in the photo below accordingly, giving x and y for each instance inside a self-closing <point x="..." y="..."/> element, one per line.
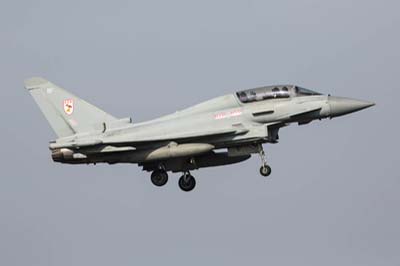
<point x="69" y="106"/>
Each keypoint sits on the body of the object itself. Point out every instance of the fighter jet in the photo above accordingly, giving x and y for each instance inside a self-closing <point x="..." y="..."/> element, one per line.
<point x="221" y="131"/>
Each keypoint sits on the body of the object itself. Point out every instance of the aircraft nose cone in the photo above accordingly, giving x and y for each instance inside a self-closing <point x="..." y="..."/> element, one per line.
<point x="342" y="106"/>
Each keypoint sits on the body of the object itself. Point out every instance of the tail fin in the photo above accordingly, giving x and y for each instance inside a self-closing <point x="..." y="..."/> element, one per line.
<point x="66" y="113"/>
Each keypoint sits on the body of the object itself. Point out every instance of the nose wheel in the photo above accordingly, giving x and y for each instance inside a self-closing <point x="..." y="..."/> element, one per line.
<point x="187" y="182"/>
<point x="265" y="169"/>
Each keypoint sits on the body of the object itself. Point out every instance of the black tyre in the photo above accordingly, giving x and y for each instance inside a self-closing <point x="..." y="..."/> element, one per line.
<point x="187" y="183"/>
<point x="159" y="178"/>
<point x="265" y="170"/>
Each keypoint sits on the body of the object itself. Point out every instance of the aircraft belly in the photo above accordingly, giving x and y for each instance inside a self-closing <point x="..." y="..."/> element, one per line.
<point x="172" y="150"/>
<point x="186" y="164"/>
<point x="254" y="134"/>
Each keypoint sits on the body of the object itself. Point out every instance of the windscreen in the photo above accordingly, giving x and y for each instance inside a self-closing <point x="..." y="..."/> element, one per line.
<point x="305" y="92"/>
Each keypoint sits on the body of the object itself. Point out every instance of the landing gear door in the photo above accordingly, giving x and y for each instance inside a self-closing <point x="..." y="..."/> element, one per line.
<point x="242" y="150"/>
<point x="273" y="136"/>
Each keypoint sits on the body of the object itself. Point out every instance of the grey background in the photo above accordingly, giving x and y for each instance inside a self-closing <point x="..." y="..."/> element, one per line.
<point x="334" y="195"/>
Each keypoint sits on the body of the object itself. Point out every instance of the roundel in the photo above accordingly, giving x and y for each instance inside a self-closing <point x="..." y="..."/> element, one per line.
<point x="69" y="106"/>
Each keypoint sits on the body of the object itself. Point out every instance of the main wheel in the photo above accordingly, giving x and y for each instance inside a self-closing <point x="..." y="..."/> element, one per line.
<point x="159" y="178"/>
<point x="265" y="170"/>
<point x="187" y="183"/>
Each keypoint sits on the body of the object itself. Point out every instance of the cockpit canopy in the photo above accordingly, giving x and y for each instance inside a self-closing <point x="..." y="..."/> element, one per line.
<point x="273" y="92"/>
<point x="299" y="91"/>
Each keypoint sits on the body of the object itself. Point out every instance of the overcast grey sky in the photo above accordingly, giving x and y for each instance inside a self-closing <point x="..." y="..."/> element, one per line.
<point x="334" y="195"/>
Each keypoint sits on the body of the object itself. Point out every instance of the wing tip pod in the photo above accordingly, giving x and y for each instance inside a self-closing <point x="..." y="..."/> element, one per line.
<point x="34" y="82"/>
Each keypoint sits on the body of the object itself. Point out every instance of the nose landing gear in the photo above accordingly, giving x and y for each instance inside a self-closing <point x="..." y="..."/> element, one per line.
<point x="265" y="169"/>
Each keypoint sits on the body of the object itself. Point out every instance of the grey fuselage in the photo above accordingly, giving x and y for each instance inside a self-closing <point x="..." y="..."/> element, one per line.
<point x="187" y="139"/>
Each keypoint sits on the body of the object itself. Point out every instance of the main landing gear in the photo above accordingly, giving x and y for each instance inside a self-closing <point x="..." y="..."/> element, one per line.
<point x="265" y="169"/>
<point x="187" y="182"/>
<point x="159" y="177"/>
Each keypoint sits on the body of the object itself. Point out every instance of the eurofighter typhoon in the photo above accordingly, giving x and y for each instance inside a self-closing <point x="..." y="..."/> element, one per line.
<point x="221" y="131"/>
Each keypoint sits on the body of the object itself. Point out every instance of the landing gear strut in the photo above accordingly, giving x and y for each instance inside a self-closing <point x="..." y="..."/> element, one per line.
<point x="159" y="177"/>
<point x="187" y="182"/>
<point x="265" y="169"/>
